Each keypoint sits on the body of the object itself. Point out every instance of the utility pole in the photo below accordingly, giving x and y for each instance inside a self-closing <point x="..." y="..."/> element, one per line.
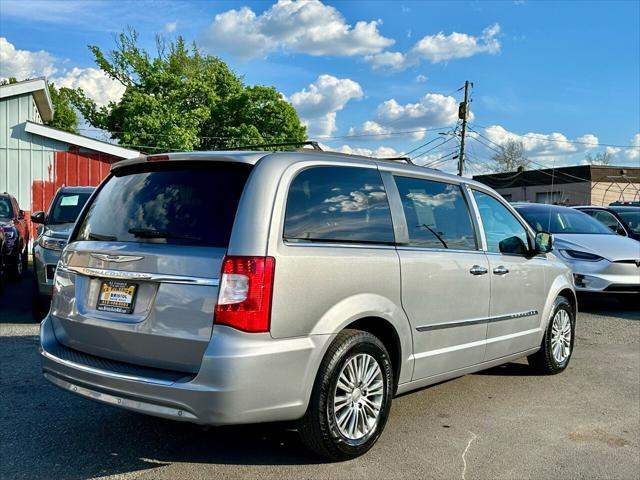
<point x="463" y="113"/>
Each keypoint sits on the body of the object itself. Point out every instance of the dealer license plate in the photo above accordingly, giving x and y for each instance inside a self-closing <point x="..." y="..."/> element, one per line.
<point x="117" y="296"/>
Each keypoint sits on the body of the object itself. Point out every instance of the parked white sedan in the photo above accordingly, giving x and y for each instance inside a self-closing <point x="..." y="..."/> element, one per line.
<point x="601" y="261"/>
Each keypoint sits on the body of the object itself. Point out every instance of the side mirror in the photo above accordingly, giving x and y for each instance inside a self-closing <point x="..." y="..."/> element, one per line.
<point x="37" y="217"/>
<point x="20" y="214"/>
<point x="513" y="246"/>
<point x="544" y="242"/>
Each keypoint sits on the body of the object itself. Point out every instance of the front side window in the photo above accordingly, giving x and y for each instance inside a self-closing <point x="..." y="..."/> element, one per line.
<point x="608" y="220"/>
<point x="437" y="214"/>
<point x="338" y="204"/>
<point x="504" y="233"/>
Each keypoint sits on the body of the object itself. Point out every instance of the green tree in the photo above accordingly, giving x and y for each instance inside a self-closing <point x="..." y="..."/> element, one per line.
<point x="602" y="158"/>
<point x="510" y="157"/>
<point x="64" y="116"/>
<point x="182" y="99"/>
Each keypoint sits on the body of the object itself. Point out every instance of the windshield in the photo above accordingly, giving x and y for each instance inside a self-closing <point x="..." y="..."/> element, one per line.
<point x="67" y="207"/>
<point x="632" y="219"/>
<point x="5" y="208"/>
<point x="563" y="221"/>
<point x="183" y="204"/>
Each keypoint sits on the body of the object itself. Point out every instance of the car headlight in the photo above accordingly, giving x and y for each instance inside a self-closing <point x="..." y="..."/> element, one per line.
<point x="578" y="255"/>
<point x="51" y="243"/>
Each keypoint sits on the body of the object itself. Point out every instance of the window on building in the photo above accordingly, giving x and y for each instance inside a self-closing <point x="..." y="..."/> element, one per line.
<point x="551" y="198"/>
<point x="437" y="214"/>
<point x="338" y="204"/>
<point x="507" y="196"/>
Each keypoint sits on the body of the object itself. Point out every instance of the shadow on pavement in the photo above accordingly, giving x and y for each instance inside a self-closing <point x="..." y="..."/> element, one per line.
<point x="626" y="306"/>
<point x="48" y="433"/>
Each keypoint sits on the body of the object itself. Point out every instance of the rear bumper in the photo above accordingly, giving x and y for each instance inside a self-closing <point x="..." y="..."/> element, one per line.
<point x="244" y="378"/>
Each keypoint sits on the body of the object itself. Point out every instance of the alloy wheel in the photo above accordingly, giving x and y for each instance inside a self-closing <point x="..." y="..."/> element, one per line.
<point x="561" y="336"/>
<point x="357" y="400"/>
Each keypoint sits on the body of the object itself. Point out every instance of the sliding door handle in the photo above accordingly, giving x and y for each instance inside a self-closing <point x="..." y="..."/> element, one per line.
<point x="501" y="270"/>
<point x="477" y="270"/>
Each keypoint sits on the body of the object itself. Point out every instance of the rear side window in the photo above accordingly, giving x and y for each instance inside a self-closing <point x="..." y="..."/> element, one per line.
<point x="338" y="204"/>
<point x="437" y="214"/>
<point x="179" y="203"/>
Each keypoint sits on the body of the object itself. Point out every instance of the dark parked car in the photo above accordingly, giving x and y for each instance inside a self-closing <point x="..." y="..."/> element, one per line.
<point x="624" y="220"/>
<point x="2" y="258"/>
<point x="52" y="234"/>
<point x="16" y="236"/>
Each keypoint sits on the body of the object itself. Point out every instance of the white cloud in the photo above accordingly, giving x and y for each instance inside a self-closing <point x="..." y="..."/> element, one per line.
<point x="318" y="103"/>
<point x="634" y="153"/>
<point x="541" y="144"/>
<point x="305" y="26"/>
<point x="23" y="64"/>
<point x="395" y="61"/>
<point x="421" y="78"/>
<point x="589" y="140"/>
<point x="379" y="152"/>
<point x="170" y="27"/>
<point x="439" y="48"/>
<point x="93" y="82"/>
<point x="432" y="110"/>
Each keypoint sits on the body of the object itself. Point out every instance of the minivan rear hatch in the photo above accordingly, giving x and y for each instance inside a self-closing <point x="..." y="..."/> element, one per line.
<point x="138" y="282"/>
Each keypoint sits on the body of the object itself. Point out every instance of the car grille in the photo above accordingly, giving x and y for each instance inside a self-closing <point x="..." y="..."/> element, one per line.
<point x="623" y="288"/>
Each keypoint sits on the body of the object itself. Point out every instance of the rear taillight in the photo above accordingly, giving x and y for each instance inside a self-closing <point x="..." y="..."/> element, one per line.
<point x="244" y="299"/>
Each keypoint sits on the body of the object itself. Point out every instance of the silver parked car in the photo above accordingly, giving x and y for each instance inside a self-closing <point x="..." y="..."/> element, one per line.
<point x="52" y="234"/>
<point x="601" y="260"/>
<point x="227" y="288"/>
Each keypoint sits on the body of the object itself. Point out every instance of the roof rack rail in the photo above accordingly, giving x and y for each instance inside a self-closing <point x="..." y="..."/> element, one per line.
<point x="315" y="145"/>
<point x="397" y="159"/>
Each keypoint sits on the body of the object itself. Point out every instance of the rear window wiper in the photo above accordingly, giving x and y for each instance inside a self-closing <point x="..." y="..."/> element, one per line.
<point x="153" y="233"/>
<point x="100" y="237"/>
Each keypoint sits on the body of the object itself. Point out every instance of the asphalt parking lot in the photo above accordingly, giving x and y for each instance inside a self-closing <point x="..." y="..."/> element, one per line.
<point x="501" y="423"/>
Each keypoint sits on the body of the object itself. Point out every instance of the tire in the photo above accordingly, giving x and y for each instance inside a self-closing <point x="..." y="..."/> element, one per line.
<point x="39" y="306"/>
<point x="320" y="429"/>
<point x="563" y="321"/>
<point x="2" y="268"/>
<point x="16" y="269"/>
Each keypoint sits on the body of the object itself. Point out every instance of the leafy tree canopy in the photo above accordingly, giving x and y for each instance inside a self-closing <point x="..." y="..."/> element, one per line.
<point x="510" y="157"/>
<point x="64" y="115"/>
<point x="182" y="99"/>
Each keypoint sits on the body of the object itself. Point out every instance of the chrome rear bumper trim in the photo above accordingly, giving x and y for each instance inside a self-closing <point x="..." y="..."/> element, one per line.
<point x="150" y="277"/>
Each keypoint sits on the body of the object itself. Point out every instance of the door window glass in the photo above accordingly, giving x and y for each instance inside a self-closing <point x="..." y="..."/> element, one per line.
<point x="504" y="233"/>
<point x="437" y="214"/>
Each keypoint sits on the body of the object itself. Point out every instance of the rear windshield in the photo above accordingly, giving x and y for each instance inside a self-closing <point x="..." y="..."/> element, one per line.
<point x="67" y="207"/>
<point x="181" y="204"/>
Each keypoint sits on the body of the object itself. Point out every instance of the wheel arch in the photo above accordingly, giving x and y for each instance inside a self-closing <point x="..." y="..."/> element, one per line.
<point x="388" y="335"/>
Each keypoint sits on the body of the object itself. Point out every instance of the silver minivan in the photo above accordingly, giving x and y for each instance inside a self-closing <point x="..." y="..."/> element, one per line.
<point x="241" y="287"/>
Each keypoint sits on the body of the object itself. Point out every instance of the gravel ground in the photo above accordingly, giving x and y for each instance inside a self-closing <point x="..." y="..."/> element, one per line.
<point x="501" y="423"/>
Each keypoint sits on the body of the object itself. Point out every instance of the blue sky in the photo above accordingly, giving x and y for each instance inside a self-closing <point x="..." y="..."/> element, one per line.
<point x="563" y="77"/>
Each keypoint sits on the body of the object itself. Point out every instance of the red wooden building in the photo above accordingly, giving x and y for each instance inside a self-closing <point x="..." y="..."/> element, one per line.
<point x="35" y="159"/>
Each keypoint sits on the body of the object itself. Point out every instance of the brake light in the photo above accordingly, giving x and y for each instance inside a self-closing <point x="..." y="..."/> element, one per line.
<point x="157" y="158"/>
<point x="244" y="298"/>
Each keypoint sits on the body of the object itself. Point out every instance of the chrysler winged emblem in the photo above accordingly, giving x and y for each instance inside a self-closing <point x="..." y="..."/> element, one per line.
<point x="116" y="258"/>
